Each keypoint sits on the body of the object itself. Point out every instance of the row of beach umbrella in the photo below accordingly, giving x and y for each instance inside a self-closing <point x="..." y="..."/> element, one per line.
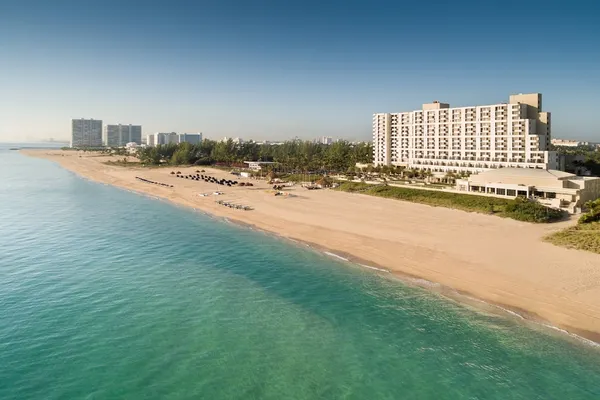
<point x="233" y="205"/>
<point x="153" y="182"/>
<point x="210" y="179"/>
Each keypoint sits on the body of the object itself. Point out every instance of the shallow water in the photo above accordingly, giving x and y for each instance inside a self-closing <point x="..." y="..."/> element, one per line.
<point x="108" y="294"/>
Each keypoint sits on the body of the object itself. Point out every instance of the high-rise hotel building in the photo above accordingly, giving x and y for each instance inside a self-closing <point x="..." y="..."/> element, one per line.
<point x="86" y="133"/>
<point x="119" y="135"/>
<point x="478" y="138"/>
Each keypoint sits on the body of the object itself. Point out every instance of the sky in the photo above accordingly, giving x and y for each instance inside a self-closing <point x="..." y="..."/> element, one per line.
<point x="280" y="69"/>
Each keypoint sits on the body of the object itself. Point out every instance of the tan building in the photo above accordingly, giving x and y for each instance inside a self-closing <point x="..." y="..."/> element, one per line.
<point x="568" y="143"/>
<point x="477" y="138"/>
<point x="553" y="188"/>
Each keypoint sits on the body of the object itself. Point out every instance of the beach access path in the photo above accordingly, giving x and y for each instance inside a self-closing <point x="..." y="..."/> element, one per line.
<point x="497" y="260"/>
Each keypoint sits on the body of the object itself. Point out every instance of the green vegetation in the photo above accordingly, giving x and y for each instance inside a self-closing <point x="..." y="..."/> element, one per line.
<point x="519" y="209"/>
<point x="585" y="235"/>
<point x="593" y="214"/>
<point x="122" y="163"/>
<point x="580" y="159"/>
<point x="115" y="151"/>
<point x="84" y="149"/>
<point x="581" y="236"/>
<point x="292" y="155"/>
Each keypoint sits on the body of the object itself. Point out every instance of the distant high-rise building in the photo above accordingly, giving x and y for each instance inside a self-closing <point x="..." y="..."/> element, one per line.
<point x="236" y="140"/>
<point x="167" y="138"/>
<point x="151" y="140"/>
<point x="86" y="133"/>
<point x="119" y="135"/>
<point x="568" y="143"/>
<point x="326" y="140"/>
<point x="192" y="138"/>
<point x="162" y="138"/>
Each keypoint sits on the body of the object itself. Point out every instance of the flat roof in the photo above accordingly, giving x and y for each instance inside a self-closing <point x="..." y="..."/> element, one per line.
<point x="525" y="173"/>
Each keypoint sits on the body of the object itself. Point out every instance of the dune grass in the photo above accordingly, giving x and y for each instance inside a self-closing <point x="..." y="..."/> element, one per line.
<point x="519" y="209"/>
<point x="581" y="237"/>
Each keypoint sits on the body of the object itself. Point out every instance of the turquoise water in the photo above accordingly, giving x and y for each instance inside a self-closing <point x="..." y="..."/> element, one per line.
<point x="105" y="294"/>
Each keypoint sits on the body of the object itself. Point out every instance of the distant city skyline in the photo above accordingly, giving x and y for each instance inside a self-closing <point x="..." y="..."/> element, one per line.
<point x="273" y="70"/>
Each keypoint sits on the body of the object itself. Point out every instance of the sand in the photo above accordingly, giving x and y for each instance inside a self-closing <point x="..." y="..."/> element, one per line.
<point x="497" y="260"/>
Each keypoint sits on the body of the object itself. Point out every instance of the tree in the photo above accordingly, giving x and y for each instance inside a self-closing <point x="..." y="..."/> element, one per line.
<point x="182" y="155"/>
<point x="294" y="155"/>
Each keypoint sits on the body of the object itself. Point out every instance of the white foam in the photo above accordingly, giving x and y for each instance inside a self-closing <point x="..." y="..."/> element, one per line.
<point x="423" y="282"/>
<point x="515" y="314"/>
<point x="375" y="268"/>
<point x="336" y="256"/>
<point x="554" y="328"/>
<point x="573" y="335"/>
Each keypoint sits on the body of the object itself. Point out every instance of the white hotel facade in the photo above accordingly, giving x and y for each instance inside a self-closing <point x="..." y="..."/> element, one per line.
<point x="477" y="138"/>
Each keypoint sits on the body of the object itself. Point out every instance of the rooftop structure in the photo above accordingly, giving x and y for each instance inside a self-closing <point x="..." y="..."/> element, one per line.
<point x="257" y="165"/>
<point x="553" y="188"/>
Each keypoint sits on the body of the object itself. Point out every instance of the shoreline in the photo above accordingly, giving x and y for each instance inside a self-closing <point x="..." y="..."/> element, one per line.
<point x="97" y="172"/>
<point x="462" y="298"/>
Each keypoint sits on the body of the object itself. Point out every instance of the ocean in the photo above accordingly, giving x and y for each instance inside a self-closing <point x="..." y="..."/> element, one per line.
<point x="106" y="294"/>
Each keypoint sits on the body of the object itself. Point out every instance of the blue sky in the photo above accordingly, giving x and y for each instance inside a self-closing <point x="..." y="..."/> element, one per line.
<point x="279" y="69"/>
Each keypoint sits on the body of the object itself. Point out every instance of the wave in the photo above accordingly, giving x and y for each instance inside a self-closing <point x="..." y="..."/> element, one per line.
<point x="423" y="282"/>
<point x="336" y="256"/>
<point x="375" y="268"/>
<point x="572" y="335"/>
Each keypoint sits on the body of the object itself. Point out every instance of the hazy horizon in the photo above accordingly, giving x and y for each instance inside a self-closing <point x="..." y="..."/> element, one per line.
<point x="271" y="71"/>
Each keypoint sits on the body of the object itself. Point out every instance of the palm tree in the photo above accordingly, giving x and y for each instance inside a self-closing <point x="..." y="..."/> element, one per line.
<point x="450" y="177"/>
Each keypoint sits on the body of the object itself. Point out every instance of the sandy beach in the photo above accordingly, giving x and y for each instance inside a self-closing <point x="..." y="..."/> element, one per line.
<point x="497" y="260"/>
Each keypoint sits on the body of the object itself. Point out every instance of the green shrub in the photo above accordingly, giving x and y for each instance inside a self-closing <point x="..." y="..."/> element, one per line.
<point x="589" y="218"/>
<point x="593" y="214"/>
<point x="520" y="209"/>
<point x="524" y="210"/>
<point x="582" y="237"/>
